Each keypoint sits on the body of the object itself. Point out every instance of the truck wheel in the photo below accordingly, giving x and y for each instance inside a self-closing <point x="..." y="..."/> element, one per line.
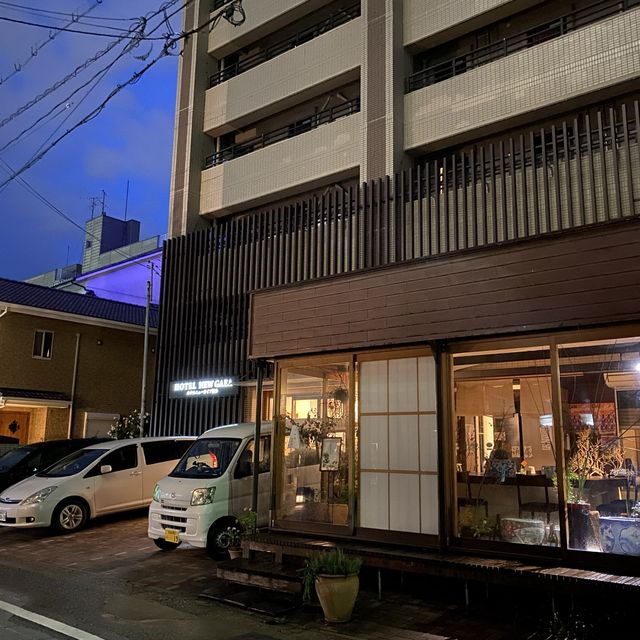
<point x="218" y="541"/>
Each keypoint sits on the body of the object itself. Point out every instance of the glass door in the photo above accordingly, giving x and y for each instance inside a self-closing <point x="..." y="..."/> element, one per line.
<point x="315" y="445"/>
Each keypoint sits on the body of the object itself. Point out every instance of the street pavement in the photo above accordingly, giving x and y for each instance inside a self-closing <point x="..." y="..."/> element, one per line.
<point x="111" y="581"/>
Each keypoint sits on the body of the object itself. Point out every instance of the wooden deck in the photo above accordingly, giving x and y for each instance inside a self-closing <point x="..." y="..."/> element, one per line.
<point x="450" y="565"/>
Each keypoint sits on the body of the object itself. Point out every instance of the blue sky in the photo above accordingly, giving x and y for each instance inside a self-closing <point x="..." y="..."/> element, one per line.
<point x="130" y="140"/>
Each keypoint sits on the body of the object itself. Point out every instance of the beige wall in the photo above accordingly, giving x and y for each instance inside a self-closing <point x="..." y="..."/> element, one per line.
<point x="325" y="62"/>
<point x="326" y="154"/>
<point x="38" y="428"/>
<point x="263" y="17"/>
<point x="581" y="62"/>
<point x="109" y="374"/>
<point x="423" y="20"/>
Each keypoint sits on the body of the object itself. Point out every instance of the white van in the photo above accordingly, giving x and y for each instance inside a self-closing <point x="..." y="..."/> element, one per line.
<point x="112" y="476"/>
<point x="210" y="486"/>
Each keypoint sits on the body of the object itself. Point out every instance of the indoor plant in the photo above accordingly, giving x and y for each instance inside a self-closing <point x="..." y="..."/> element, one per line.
<point x="335" y="577"/>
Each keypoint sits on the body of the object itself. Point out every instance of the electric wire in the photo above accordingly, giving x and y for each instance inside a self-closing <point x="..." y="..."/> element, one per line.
<point x="65" y="14"/>
<point x="18" y="67"/>
<point x="51" y="27"/>
<point x="140" y="26"/>
<point x="36" y="194"/>
<point x="67" y="98"/>
<point x="170" y="44"/>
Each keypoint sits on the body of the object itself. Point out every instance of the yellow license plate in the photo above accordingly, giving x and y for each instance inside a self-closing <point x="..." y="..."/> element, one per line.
<point x="170" y="535"/>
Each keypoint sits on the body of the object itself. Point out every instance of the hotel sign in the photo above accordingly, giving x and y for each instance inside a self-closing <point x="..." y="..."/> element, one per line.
<point x="204" y="388"/>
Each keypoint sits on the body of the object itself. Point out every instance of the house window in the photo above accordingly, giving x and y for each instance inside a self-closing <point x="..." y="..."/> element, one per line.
<point x="43" y="344"/>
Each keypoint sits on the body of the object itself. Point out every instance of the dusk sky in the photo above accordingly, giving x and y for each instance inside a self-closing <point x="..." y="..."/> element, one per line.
<point x="130" y="140"/>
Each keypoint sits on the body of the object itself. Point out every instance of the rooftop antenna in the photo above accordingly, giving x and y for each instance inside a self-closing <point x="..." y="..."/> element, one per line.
<point x="104" y="195"/>
<point x="94" y="201"/>
<point x="126" y="202"/>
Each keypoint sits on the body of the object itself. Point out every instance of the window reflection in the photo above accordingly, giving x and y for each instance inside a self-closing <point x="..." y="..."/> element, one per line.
<point x="600" y="387"/>
<point x="505" y="456"/>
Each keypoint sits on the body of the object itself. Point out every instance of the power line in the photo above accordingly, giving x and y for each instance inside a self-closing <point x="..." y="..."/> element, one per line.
<point x="140" y="26"/>
<point x="37" y="11"/>
<point x="17" y="68"/>
<point x="234" y="5"/>
<point x="36" y="194"/>
<point x="101" y="73"/>
<point x="66" y="29"/>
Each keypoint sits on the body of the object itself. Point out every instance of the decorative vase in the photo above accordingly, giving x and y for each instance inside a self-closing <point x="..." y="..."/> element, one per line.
<point x="337" y="595"/>
<point x="584" y="527"/>
<point x="235" y="553"/>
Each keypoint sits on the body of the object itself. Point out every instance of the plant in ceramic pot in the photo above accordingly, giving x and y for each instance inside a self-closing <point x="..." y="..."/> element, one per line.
<point x="334" y="574"/>
<point x="589" y="458"/>
<point x="231" y="537"/>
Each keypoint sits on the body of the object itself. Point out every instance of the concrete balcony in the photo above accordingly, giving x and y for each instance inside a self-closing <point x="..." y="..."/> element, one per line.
<point x="262" y="19"/>
<point x="330" y="152"/>
<point x="320" y="65"/>
<point x="430" y="23"/>
<point x="591" y="59"/>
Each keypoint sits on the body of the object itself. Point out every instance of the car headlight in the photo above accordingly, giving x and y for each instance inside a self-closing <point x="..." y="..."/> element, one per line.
<point x="39" y="496"/>
<point x="156" y="493"/>
<point x="202" y="496"/>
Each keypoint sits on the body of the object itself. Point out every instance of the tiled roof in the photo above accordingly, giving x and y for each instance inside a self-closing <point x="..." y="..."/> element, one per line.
<point x="77" y="304"/>
<point x="32" y="394"/>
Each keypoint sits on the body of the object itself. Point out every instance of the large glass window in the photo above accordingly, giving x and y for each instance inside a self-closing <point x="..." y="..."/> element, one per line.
<point x="315" y="441"/>
<point x="600" y="389"/>
<point x="504" y="447"/>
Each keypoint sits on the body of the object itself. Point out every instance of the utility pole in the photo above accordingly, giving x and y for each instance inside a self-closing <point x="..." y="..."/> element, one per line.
<point x="146" y="348"/>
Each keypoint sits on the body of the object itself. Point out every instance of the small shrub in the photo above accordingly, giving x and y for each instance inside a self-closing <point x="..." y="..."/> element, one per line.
<point x="332" y="563"/>
<point x="129" y="426"/>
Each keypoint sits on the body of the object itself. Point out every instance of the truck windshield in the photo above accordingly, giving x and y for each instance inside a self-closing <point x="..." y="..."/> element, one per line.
<point x="207" y="457"/>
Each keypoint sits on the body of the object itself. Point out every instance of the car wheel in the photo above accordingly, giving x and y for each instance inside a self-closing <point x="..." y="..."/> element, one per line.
<point x="70" y="516"/>
<point x="163" y="544"/>
<point x="218" y="541"/>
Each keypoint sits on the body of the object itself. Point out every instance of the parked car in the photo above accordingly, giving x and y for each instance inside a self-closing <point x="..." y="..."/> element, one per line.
<point x="22" y="462"/>
<point x="210" y="486"/>
<point x="112" y="476"/>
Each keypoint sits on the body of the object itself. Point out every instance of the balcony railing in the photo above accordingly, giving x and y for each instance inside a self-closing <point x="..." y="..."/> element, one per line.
<point x="283" y="133"/>
<point x="336" y="19"/>
<point x="529" y="38"/>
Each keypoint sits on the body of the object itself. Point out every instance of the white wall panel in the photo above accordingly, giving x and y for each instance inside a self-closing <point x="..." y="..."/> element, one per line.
<point x="427" y="384"/>
<point x="403" y="384"/>
<point x="404" y="498"/>
<point x="583" y="61"/>
<point x="374" y="438"/>
<point x="428" y="443"/>
<point x="374" y="500"/>
<point x="373" y="387"/>
<point x="429" y="504"/>
<point x="403" y="441"/>
<point x="279" y="83"/>
<point x="331" y="151"/>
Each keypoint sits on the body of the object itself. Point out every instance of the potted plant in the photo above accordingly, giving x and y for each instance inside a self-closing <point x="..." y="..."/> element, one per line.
<point x="589" y="457"/>
<point x="334" y="575"/>
<point x="231" y="537"/>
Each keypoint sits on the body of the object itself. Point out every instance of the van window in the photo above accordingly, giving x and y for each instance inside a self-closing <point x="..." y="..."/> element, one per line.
<point x="122" y="458"/>
<point x="164" y="450"/>
<point x="244" y="466"/>
<point x="207" y="457"/>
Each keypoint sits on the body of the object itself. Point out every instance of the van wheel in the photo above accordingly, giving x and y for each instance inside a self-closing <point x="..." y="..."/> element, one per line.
<point x="70" y="516"/>
<point x="218" y="541"/>
<point x="163" y="544"/>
